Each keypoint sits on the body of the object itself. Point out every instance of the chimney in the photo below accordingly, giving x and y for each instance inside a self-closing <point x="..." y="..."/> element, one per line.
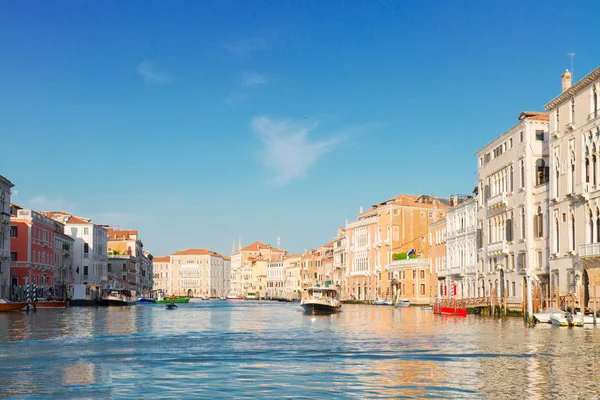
<point x="566" y="80"/>
<point x="361" y="210"/>
<point x="454" y="200"/>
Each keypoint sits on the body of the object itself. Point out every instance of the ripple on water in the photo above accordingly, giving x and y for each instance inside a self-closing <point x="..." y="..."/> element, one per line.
<point x="270" y="350"/>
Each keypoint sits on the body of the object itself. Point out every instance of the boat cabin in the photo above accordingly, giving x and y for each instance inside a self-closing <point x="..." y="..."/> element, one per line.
<point x="320" y="293"/>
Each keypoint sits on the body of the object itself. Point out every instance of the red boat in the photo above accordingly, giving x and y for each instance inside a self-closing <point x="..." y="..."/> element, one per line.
<point x="52" y="304"/>
<point x="12" y="306"/>
<point x="458" y="311"/>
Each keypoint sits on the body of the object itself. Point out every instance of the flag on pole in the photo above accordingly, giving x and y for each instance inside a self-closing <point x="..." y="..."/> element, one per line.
<point x="410" y="253"/>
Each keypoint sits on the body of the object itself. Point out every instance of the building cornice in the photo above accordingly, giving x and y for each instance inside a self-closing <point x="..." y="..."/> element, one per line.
<point x="567" y="94"/>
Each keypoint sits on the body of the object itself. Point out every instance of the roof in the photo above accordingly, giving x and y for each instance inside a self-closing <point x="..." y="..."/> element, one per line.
<point x="197" y="252"/>
<point x="120" y="234"/>
<point x="567" y="94"/>
<point x="6" y="181"/>
<point x="412" y="200"/>
<point x="162" y="259"/>
<point x="258" y="246"/>
<point x="77" y="220"/>
<point x="534" y="115"/>
<point x="330" y="244"/>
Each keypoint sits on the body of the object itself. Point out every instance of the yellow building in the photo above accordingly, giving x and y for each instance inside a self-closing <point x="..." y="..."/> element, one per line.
<point x="395" y="226"/>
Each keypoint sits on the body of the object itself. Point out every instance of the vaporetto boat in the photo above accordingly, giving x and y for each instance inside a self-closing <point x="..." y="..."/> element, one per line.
<point x="318" y="300"/>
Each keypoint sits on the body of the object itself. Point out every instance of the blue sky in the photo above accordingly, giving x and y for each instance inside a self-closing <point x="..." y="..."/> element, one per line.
<point x="201" y="122"/>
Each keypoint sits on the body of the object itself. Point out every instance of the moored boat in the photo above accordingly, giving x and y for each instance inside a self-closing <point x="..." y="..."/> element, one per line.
<point x="427" y="308"/>
<point x="317" y="300"/>
<point x="403" y="303"/>
<point x="171" y="306"/>
<point x="233" y="297"/>
<point x="173" y="300"/>
<point x="6" y="305"/>
<point x="118" y="297"/>
<point x="384" y="302"/>
<point x="145" y="300"/>
<point x="543" y="316"/>
<point x="51" y="304"/>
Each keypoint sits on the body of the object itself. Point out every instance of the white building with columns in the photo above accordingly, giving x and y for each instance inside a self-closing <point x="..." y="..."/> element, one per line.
<point x="575" y="190"/>
<point x="5" y="186"/>
<point x="461" y="248"/>
<point x="513" y="187"/>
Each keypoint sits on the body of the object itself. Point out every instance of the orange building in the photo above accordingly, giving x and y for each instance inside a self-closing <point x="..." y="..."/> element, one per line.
<point x="437" y="255"/>
<point x="395" y="226"/>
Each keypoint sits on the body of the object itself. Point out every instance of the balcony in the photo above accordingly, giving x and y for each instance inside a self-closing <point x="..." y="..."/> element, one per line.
<point x="555" y="135"/>
<point x="409" y="263"/>
<point x="591" y="250"/>
<point x="571" y="126"/>
<point x="497" y="248"/>
<point x="497" y="201"/>
<point x="594" y="115"/>
<point x="582" y="190"/>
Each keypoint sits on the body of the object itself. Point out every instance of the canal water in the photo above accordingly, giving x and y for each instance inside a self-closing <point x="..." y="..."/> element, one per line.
<point x="229" y="349"/>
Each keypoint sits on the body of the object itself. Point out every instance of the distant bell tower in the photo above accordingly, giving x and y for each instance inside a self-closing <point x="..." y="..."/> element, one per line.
<point x="233" y="246"/>
<point x="240" y="244"/>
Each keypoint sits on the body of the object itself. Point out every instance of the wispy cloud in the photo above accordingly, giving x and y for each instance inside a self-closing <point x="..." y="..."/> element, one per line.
<point x="287" y="148"/>
<point x="152" y="73"/>
<point x="253" y="79"/>
<point x="44" y="203"/>
<point x="245" y="47"/>
<point x="236" y="98"/>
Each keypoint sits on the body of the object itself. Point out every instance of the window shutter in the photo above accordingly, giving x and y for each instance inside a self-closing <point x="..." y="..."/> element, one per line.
<point x="509" y="236"/>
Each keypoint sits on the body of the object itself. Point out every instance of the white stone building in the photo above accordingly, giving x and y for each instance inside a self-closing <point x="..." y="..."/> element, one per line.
<point x="574" y="212"/>
<point x="89" y="249"/>
<point x="5" y="186"/>
<point x="275" y="278"/>
<point x="340" y="256"/>
<point x="513" y="186"/>
<point x="460" y="264"/>
<point x="293" y="275"/>
<point x="199" y="272"/>
<point x="163" y="275"/>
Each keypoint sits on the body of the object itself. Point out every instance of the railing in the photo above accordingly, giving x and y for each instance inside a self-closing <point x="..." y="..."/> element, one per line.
<point x="409" y="263"/>
<point x="497" y="201"/>
<point x="589" y="250"/>
<point x="497" y="247"/>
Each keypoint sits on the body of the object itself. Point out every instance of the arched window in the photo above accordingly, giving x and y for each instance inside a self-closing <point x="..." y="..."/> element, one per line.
<point x="595" y="103"/>
<point x="572" y="244"/>
<point x="541" y="172"/>
<point x="572" y="176"/>
<point x="591" y="226"/>
<point x="539" y="223"/>
<point x="510" y="181"/>
<point x="587" y="170"/>
<point x="556" y="235"/>
<point x="597" y="225"/>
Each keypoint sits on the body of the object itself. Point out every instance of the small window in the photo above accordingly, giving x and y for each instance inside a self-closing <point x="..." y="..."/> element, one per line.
<point x="539" y="135"/>
<point x="13" y="256"/>
<point x="396" y="212"/>
<point x="422" y="289"/>
<point x="422" y="215"/>
<point x="86" y="231"/>
<point x="13" y="231"/>
<point x="422" y="274"/>
<point x="85" y="270"/>
<point x="521" y="137"/>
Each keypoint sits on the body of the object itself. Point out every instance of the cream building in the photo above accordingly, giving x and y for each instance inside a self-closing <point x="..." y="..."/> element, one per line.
<point x="5" y="186"/>
<point x="574" y="215"/>
<point x="200" y="272"/>
<point x="243" y="278"/>
<point x="513" y="187"/>
<point x="163" y="275"/>
<point x="292" y="266"/>
<point x="340" y="255"/>
<point x="89" y="249"/>
<point x="459" y="266"/>
<point x="275" y="278"/>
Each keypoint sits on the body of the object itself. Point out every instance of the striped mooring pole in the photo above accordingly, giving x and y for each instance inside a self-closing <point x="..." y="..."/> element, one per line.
<point x="34" y="292"/>
<point x="27" y="298"/>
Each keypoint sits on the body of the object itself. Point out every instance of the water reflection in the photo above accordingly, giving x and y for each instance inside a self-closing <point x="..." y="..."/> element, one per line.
<point x="229" y="349"/>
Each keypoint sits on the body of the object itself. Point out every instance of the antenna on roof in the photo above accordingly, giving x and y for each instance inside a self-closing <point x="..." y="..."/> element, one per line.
<point x="572" y="55"/>
<point x="278" y="242"/>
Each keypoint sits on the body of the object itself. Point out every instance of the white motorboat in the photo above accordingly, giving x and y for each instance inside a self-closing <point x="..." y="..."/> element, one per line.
<point x="317" y="300"/>
<point x="118" y="297"/>
<point x="565" y="319"/>
<point x="382" y="302"/>
<point x="403" y="303"/>
<point x="543" y="316"/>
